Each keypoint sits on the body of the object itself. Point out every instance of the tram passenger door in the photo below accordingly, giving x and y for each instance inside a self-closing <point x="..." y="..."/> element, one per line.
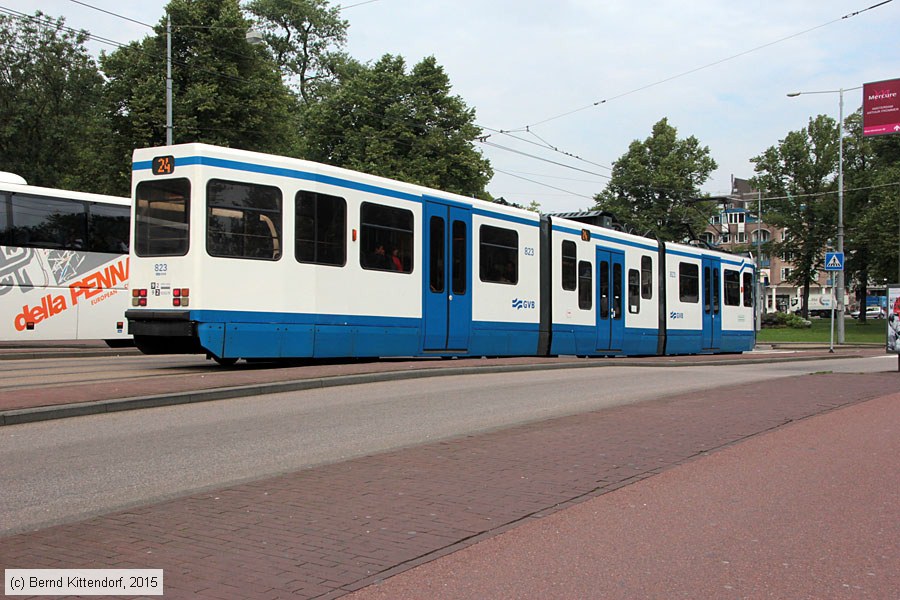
<point x="447" y="275"/>
<point x="610" y="302"/>
<point x="712" y="304"/>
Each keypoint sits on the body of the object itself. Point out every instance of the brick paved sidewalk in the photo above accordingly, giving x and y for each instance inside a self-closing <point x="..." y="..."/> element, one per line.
<point x="328" y="530"/>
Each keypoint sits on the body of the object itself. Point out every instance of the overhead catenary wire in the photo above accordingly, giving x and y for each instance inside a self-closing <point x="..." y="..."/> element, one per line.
<point x="696" y="69"/>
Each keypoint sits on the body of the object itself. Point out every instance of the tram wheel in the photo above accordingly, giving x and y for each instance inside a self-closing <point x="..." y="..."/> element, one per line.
<point x="226" y="362"/>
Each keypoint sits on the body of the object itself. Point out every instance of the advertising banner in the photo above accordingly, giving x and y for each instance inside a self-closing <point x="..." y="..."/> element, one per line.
<point x="881" y="107"/>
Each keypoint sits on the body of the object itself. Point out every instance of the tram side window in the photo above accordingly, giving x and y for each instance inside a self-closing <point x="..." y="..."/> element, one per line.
<point x="162" y="224"/>
<point x="40" y="222"/>
<point x="732" y="288"/>
<point x="748" y="289"/>
<point x="646" y="277"/>
<point x="585" y="285"/>
<point x="386" y="234"/>
<point x="499" y="251"/>
<point x="634" y="291"/>
<point x="108" y="228"/>
<point x="321" y="229"/>
<point x="688" y="282"/>
<point x="243" y="220"/>
<point x="569" y="259"/>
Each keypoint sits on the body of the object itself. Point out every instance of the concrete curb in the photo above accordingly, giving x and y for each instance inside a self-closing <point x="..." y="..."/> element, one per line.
<point x="62" y="411"/>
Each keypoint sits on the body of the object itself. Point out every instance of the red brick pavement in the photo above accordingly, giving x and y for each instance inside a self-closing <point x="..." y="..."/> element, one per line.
<point x="322" y="532"/>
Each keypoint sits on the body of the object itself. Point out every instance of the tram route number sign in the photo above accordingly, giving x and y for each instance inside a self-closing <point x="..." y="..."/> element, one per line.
<point x="163" y="165"/>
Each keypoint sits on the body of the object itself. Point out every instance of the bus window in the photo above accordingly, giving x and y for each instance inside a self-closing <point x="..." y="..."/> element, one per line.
<point x="40" y="222"/>
<point x="108" y="228"/>
<point x="4" y="220"/>
<point x="162" y="208"/>
<point x="243" y="220"/>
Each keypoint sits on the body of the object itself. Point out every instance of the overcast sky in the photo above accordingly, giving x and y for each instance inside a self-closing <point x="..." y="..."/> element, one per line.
<point x="521" y="63"/>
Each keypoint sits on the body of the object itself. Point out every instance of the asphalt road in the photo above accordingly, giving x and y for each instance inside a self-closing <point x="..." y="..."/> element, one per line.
<point x="64" y="470"/>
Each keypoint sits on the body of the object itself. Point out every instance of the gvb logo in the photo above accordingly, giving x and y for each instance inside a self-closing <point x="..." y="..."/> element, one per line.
<point x="520" y="304"/>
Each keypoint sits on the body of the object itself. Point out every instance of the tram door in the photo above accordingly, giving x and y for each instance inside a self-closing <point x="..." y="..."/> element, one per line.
<point x="447" y="275"/>
<point x="712" y="303"/>
<point x="610" y="302"/>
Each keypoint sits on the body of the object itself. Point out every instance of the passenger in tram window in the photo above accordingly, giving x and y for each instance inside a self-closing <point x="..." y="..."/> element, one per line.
<point x="379" y="259"/>
<point x="396" y="263"/>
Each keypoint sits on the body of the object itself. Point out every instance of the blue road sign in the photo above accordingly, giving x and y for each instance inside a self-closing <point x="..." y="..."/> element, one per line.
<point x="834" y="261"/>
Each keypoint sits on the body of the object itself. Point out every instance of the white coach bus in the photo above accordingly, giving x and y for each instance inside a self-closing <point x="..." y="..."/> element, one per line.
<point x="63" y="264"/>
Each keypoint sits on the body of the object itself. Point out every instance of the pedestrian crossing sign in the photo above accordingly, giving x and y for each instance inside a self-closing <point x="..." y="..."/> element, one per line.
<point x="834" y="261"/>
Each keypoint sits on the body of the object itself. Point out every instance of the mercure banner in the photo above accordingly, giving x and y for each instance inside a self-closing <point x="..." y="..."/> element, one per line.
<point x="881" y="107"/>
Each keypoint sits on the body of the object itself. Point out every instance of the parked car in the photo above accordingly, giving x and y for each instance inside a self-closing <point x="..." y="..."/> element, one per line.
<point x="872" y="312"/>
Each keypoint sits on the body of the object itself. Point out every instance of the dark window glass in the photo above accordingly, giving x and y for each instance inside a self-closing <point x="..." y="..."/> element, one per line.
<point x="243" y="220"/>
<point x="603" y="272"/>
<point x="386" y="240"/>
<point x="688" y="282"/>
<point x="108" y="228"/>
<point x="585" y="285"/>
<point x="499" y="250"/>
<point x="707" y="301"/>
<point x="162" y="210"/>
<point x="460" y="246"/>
<point x="321" y="224"/>
<point x="646" y="277"/>
<point x="634" y="291"/>
<point x="617" y="291"/>
<point x="5" y="232"/>
<point x="436" y="254"/>
<point x="716" y="287"/>
<point x="569" y="257"/>
<point x="40" y="222"/>
<point x="732" y="288"/>
<point x="748" y="289"/>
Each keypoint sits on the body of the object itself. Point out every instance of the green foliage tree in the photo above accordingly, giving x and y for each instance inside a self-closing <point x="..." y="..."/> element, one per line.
<point x="798" y="173"/>
<point x="382" y="120"/>
<point x="656" y="184"/>
<point x="871" y="205"/>
<point x="225" y="91"/>
<point x="305" y="37"/>
<point x="51" y="132"/>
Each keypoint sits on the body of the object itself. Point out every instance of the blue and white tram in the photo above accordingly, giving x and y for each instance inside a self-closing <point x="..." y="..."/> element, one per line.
<point x="244" y="255"/>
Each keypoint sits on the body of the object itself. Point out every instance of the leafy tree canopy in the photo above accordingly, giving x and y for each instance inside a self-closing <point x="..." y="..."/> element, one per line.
<point x="383" y="120"/>
<point x="305" y="37"/>
<point x="798" y="175"/>
<point x="225" y="91"/>
<point x="655" y="185"/>
<point x="51" y="133"/>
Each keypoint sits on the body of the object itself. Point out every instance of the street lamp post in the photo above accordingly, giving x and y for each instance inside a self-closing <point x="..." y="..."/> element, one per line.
<point x="252" y="36"/>
<point x="168" y="80"/>
<point x="839" y="275"/>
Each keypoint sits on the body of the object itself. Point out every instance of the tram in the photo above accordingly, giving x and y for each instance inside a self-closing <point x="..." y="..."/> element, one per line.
<point x="237" y="254"/>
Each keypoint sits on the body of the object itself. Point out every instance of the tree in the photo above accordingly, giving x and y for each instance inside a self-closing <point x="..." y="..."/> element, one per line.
<point x="51" y="132"/>
<point x="226" y="92"/>
<point x="871" y="205"/>
<point x="382" y="120"/>
<point x="798" y="172"/>
<point x="655" y="185"/>
<point x="305" y="37"/>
